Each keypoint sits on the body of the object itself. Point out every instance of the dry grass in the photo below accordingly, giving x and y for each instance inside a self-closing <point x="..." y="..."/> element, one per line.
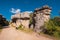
<point x="26" y="30"/>
<point x="0" y="30"/>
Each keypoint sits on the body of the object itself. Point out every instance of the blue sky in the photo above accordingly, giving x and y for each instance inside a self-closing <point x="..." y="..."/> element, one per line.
<point x="27" y="5"/>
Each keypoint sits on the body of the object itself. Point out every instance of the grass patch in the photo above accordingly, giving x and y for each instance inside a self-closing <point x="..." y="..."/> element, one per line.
<point x="27" y="30"/>
<point x="0" y="30"/>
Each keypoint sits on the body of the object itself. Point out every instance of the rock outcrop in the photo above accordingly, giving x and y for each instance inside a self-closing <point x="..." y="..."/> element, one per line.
<point x="40" y="16"/>
<point x="21" y="18"/>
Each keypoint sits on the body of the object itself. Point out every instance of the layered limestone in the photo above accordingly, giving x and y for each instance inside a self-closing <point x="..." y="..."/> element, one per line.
<point x="21" y="19"/>
<point x="40" y="16"/>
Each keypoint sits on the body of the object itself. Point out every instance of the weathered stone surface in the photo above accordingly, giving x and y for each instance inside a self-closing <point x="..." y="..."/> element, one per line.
<point x="21" y="18"/>
<point x="40" y="16"/>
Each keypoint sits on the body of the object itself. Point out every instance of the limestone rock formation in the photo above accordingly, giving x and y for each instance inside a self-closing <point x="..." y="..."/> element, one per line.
<point x="21" y="18"/>
<point x="40" y="16"/>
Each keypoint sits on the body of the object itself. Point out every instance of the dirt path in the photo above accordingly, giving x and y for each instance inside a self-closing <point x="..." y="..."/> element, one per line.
<point x="13" y="34"/>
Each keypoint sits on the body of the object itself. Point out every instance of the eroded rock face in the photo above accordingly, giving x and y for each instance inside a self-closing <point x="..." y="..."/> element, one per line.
<point x="21" y="18"/>
<point x="39" y="22"/>
<point x="40" y="16"/>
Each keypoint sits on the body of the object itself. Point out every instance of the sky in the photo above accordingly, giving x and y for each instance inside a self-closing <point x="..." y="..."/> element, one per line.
<point x="27" y="5"/>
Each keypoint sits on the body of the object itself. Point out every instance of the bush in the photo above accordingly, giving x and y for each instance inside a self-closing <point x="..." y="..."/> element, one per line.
<point x="49" y="28"/>
<point x="3" y="21"/>
<point x="52" y="29"/>
<point x="21" y="27"/>
<point x="56" y="34"/>
<point x="57" y="21"/>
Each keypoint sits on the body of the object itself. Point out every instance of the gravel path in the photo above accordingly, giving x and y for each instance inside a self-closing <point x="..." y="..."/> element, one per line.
<point x="13" y="34"/>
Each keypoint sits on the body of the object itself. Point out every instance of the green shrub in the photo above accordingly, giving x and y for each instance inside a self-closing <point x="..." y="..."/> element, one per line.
<point x="56" y="21"/>
<point x="49" y="27"/>
<point x="52" y="28"/>
<point x="21" y="27"/>
<point x="56" y="34"/>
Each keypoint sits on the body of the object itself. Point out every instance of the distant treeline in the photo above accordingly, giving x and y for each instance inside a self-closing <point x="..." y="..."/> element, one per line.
<point x="3" y="21"/>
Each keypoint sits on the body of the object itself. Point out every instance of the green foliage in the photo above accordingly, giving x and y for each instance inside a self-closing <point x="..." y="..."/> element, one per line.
<point x="53" y="27"/>
<point x="49" y="27"/>
<point x="0" y="28"/>
<point x="21" y="27"/>
<point x="31" y="18"/>
<point x="3" y="21"/>
<point x="57" y="21"/>
<point x="56" y="34"/>
<point x="30" y="21"/>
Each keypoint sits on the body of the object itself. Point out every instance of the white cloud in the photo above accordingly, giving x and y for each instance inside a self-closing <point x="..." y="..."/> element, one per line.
<point x="18" y="11"/>
<point x="15" y="10"/>
<point x="29" y="11"/>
